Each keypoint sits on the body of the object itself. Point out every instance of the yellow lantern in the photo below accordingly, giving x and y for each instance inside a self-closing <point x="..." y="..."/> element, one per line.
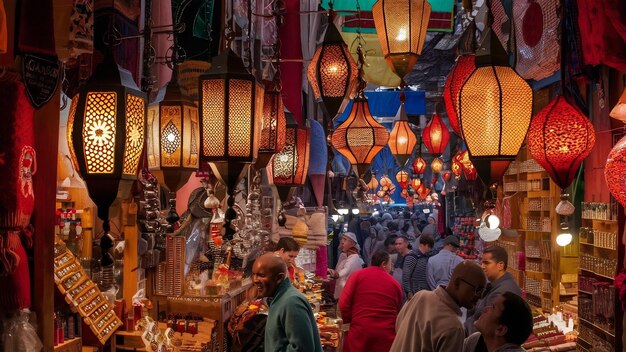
<point x="173" y="137"/>
<point x="436" y="165"/>
<point x="401" y="27"/>
<point x="231" y="106"/>
<point x="402" y="140"/>
<point x="105" y="132"/>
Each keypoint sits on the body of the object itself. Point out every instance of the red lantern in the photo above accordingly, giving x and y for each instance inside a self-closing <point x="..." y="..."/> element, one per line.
<point x="560" y="137"/>
<point x="458" y="75"/>
<point x="470" y="172"/>
<point x="446" y="175"/>
<point x="615" y="171"/>
<point x="436" y="135"/>
<point x="415" y="183"/>
<point x="419" y="166"/>
<point x="456" y="167"/>
<point x="403" y="179"/>
<point x="423" y="191"/>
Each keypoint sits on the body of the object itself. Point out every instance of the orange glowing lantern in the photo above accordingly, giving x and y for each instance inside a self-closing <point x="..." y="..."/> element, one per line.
<point x="403" y="179"/>
<point x="436" y="135"/>
<point x="402" y="140"/>
<point x="419" y="166"/>
<point x="436" y="165"/>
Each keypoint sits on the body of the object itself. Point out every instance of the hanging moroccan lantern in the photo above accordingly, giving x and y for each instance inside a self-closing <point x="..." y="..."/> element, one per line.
<point x="436" y="165"/>
<point x="559" y="139"/>
<point x="436" y="135"/>
<point x="403" y="179"/>
<point x="401" y="27"/>
<point x="619" y="110"/>
<point x="419" y="166"/>
<point x="290" y="165"/>
<point x="495" y="106"/>
<point x="332" y="71"/>
<point x="231" y="108"/>
<point x="359" y="138"/>
<point x="106" y="128"/>
<point x="415" y="183"/>
<point x="402" y="140"/>
<point x="272" y="127"/>
<point x="615" y="171"/>
<point x="173" y="135"/>
<point x="461" y="70"/>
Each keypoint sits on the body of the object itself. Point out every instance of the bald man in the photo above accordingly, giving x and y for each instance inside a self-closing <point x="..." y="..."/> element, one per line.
<point x="290" y="322"/>
<point x="430" y="321"/>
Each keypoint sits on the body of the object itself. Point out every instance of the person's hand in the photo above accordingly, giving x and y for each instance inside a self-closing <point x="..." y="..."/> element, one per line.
<point x="332" y="274"/>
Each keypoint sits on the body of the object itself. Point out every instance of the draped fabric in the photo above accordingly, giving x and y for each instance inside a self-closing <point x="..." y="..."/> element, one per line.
<point x="4" y="36"/>
<point x="292" y="66"/>
<point x="603" y="32"/>
<point x="310" y="29"/>
<point x="36" y="29"/>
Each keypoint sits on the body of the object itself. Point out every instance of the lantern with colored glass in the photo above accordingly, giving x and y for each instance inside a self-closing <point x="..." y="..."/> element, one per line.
<point x="559" y="139"/>
<point x="173" y="136"/>
<point x="495" y="108"/>
<point x="105" y="129"/>
<point x="436" y="135"/>
<point x="401" y="27"/>
<point x="272" y="138"/>
<point x="288" y="167"/>
<point x="402" y="140"/>
<point x="419" y="166"/>
<point x="332" y="72"/>
<point x="615" y="171"/>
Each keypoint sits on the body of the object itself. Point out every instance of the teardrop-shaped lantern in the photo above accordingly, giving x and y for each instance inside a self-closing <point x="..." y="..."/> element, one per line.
<point x="436" y="135"/>
<point x="332" y="72"/>
<point x="615" y="171"/>
<point x="359" y="138"/>
<point x="419" y="166"/>
<point x="401" y="27"/>
<point x="461" y="70"/>
<point x="403" y="179"/>
<point x="402" y="140"/>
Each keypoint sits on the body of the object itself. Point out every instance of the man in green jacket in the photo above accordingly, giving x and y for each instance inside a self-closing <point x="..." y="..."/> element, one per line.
<point x="290" y="322"/>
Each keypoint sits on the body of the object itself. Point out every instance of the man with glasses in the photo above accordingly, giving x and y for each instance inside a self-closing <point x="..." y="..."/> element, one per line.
<point x="494" y="265"/>
<point x="503" y="327"/>
<point x="430" y="321"/>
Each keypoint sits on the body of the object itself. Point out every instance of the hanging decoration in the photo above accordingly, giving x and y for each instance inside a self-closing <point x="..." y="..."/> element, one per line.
<point x="401" y="27"/>
<point x="445" y="176"/>
<point x="359" y="138"/>
<point x="332" y="72"/>
<point x="615" y="171"/>
<point x="619" y="110"/>
<point x="495" y="106"/>
<point x="318" y="159"/>
<point x="402" y="140"/>
<point x="373" y="184"/>
<point x="423" y="191"/>
<point x="559" y="139"/>
<point x="273" y="123"/>
<point x="387" y="188"/>
<point x="436" y="165"/>
<point x="419" y="166"/>
<point x="436" y="135"/>
<point x="415" y="183"/>
<point x="403" y="179"/>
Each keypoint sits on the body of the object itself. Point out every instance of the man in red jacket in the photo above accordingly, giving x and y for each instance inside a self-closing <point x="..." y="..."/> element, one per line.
<point x="370" y="302"/>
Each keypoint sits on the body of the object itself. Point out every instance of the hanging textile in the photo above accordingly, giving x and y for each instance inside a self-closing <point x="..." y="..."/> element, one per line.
<point x="291" y="53"/>
<point x="537" y="39"/>
<point x="4" y="36"/>
<point x="603" y="32"/>
<point x="36" y="29"/>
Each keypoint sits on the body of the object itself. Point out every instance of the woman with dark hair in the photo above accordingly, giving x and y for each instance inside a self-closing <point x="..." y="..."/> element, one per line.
<point x="288" y="249"/>
<point x="370" y="302"/>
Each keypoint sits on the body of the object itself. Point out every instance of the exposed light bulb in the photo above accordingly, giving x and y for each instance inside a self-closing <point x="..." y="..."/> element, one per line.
<point x="401" y="34"/>
<point x="335" y="217"/>
<point x="343" y="211"/>
<point x="355" y="211"/>
<point x="564" y="239"/>
<point x="171" y="137"/>
<point x="493" y="221"/>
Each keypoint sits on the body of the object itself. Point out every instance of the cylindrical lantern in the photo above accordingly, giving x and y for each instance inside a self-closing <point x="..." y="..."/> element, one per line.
<point x="495" y="106"/>
<point x="173" y="136"/>
<point x="615" y="171"/>
<point x="402" y="139"/>
<point x="419" y="166"/>
<point x="290" y="165"/>
<point x="272" y="127"/>
<point x="403" y="179"/>
<point x="560" y="137"/>
<point x="332" y="72"/>
<point x="231" y="106"/>
<point x="401" y="27"/>
<point x="436" y="165"/>
<point x="436" y="135"/>
<point x="105" y="131"/>
<point x="359" y="138"/>
<point x="461" y="70"/>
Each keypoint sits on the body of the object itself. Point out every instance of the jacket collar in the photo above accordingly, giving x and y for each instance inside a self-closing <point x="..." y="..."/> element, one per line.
<point x="282" y="288"/>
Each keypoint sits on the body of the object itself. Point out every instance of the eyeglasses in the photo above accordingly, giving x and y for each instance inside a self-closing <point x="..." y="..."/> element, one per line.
<point x="477" y="290"/>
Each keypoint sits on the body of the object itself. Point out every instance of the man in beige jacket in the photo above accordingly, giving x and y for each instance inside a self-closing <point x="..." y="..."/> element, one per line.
<point x="430" y="321"/>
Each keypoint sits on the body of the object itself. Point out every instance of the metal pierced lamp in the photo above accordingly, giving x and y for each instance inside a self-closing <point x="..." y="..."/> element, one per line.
<point x="105" y="132"/>
<point x="273" y="128"/>
<point x="289" y="166"/>
<point x="231" y="105"/>
<point x="436" y="135"/>
<point x="332" y="72"/>
<point x="401" y="27"/>
<point x="559" y="139"/>
<point x="495" y="106"/>
<point x="173" y="136"/>
<point x="402" y="140"/>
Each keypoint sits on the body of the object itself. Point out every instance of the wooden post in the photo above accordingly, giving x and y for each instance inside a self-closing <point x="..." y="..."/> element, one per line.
<point x="131" y="261"/>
